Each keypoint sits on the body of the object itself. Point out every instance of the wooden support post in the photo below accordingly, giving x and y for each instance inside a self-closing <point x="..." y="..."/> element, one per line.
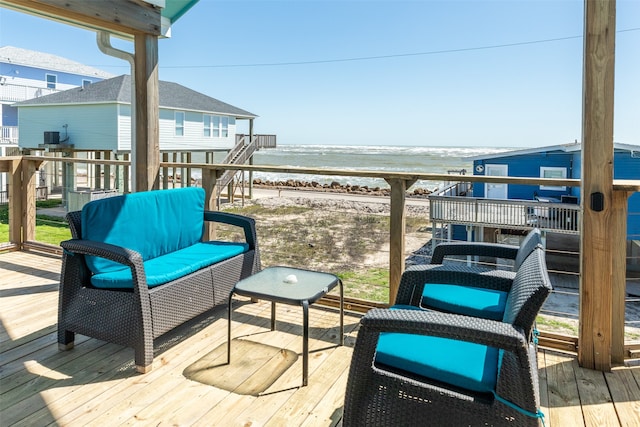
<point x="619" y="276"/>
<point x="29" y="178"/>
<point x="97" y="171"/>
<point x="397" y="234"/>
<point x="15" y="203"/>
<point x="107" y="172"/>
<point x="147" y="114"/>
<point x="596" y="242"/>
<point x="251" y="137"/>
<point x="209" y="178"/>
<point x="165" y="171"/>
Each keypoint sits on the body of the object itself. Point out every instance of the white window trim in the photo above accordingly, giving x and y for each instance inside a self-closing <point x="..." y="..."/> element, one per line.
<point x="224" y="125"/>
<point x="55" y="81"/>
<point x="563" y="172"/>
<point x="207" y="125"/>
<point x="175" y="116"/>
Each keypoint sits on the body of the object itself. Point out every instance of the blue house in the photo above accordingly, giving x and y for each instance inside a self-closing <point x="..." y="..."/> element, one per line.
<point x="557" y="161"/>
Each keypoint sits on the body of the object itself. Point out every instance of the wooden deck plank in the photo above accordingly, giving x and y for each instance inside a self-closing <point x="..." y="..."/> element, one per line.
<point x="625" y="392"/>
<point x="122" y="400"/>
<point x="564" y="400"/>
<point x="96" y="383"/>
<point x="595" y="398"/>
<point x="544" y="387"/>
<point x="252" y="410"/>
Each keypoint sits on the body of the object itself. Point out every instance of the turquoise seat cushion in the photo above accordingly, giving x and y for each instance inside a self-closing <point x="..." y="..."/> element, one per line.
<point x="166" y="268"/>
<point x="463" y="364"/>
<point x="466" y="300"/>
<point x="152" y="223"/>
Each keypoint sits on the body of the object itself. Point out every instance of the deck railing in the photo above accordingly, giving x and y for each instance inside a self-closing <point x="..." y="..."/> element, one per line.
<point x="23" y="179"/>
<point x="513" y="214"/>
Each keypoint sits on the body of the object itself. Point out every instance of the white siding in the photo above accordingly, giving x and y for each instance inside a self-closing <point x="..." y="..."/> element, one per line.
<point x="90" y="127"/>
<point x="193" y="138"/>
<point x="124" y="127"/>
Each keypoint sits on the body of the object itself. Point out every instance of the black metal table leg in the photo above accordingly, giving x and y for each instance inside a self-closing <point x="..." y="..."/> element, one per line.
<point x="305" y="342"/>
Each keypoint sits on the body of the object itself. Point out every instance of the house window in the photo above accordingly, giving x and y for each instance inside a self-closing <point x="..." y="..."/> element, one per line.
<point x="179" y="123"/>
<point x="206" y="124"/>
<point x="52" y="79"/>
<point x="555" y="173"/>
<point x="85" y="83"/>
<point x="225" y="127"/>
<point x="216" y="126"/>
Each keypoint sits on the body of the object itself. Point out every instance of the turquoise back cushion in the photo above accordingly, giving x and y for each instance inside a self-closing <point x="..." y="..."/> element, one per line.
<point x="467" y="300"/>
<point x="152" y="223"/>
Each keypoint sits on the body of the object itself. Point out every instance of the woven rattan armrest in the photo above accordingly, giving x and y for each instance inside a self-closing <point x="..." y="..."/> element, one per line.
<point x="124" y="256"/>
<point x="446" y="325"/>
<point x="246" y="223"/>
<point x="473" y="248"/>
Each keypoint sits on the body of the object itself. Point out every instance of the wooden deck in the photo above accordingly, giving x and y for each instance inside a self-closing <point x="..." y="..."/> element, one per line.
<point x="96" y="383"/>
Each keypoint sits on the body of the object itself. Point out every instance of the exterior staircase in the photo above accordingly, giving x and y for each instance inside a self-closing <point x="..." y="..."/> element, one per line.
<point x="241" y="154"/>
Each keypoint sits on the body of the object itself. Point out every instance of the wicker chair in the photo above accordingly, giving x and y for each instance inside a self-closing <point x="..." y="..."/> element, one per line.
<point x="482" y="295"/>
<point x="416" y="367"/>
<point x="495" y="250"/>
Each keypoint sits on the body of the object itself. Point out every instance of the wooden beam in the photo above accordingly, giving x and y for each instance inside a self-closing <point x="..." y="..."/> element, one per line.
<point x="147" y="145"/>
<point x="596" y="243"/>
<point x="125" y="17"/>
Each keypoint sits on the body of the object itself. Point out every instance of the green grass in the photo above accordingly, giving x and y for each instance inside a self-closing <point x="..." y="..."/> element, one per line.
<point x="371" y="284"/>
<point x="49" y="229"/>
<point x="547" y="324"/>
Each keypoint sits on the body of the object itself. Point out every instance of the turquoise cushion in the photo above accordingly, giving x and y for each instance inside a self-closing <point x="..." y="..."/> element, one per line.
<point x="153" y="223"/>
<point x="463" y="364"/>
<point x="466" y="300"/>
<point x="172" y="266"/>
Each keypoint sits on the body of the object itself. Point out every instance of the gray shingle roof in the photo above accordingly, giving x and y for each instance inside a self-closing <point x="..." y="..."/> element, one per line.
<point x="118" y="89"/>
<point x="31" y="58"/>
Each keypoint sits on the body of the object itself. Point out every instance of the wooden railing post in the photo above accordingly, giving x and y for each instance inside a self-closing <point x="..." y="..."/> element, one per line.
<point x="209" y="178"/>
<point x="29" y="168"/>
<point x="619" y="212"/>
<point x="15" y="203"/>
<point x="397" y="234"/>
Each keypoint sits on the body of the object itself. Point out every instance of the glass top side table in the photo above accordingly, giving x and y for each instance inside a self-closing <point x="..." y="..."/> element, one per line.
<point x="291" y="286"/>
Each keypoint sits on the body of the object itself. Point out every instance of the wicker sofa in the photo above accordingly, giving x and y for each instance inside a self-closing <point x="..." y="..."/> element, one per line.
<point x="137" y="267"/>
<point x="412" y="366"/>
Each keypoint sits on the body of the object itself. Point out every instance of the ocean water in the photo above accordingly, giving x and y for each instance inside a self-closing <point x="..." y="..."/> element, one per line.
<point x="373" y="158"/>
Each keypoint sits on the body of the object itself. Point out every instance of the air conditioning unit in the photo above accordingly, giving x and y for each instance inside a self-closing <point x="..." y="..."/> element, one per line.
<point x="52" y="137"/>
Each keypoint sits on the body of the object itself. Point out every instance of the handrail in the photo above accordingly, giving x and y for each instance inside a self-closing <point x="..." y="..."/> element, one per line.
<point x="618" y="184"/>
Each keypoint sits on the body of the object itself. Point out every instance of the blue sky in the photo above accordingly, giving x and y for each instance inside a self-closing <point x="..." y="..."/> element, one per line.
<point x="426" y="73"/>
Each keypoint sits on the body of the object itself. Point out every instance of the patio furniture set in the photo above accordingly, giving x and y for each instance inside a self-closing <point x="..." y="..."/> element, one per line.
<point x="457" y="348"/>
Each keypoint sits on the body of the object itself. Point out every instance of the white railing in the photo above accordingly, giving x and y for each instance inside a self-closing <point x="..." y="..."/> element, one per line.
<point x="512" y="214"/>
<point x="9" y="135"/>
<point x="16" y="93"/>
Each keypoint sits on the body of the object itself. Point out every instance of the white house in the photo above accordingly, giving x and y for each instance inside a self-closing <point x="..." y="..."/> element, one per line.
<point x="27" y="74"/>
<point x="97" y="117"/>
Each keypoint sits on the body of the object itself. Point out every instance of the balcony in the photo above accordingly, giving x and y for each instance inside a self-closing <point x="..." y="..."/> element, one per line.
<point x="96" y="382"/>
<point x="16" y="93"/>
